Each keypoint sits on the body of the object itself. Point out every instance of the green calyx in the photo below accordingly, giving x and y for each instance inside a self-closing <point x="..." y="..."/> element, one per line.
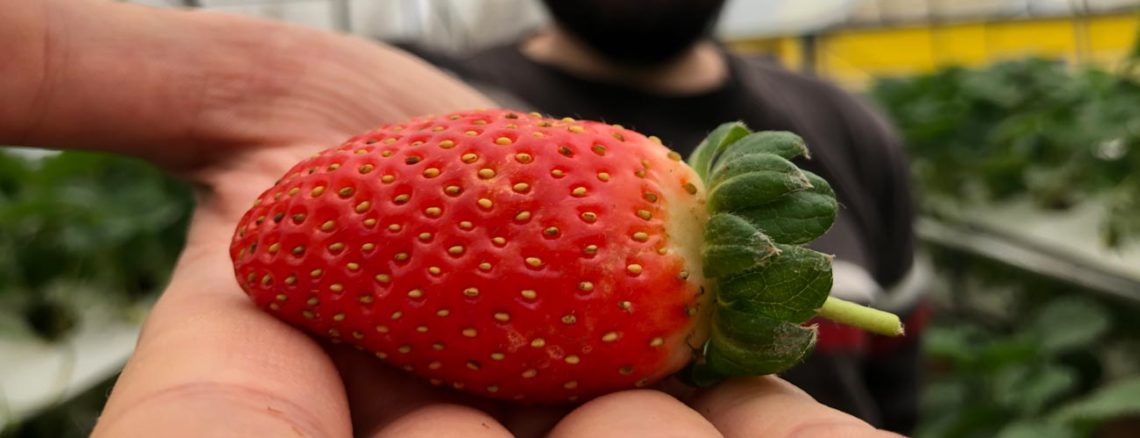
<point x="765" y="284"/>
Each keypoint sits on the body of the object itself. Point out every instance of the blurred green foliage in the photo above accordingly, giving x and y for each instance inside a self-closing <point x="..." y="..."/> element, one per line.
<point x="109" y="226"/>
<point x="1013" y="354"/>
<point x="1033" y="127"/>
<point x="1044" y="378"/>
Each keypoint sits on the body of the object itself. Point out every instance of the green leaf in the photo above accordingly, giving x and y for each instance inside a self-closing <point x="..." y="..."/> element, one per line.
<point x="780" y="143"/>
<point x="733" y="246"/>
<point x="1002" y="352"/>
<point x="747" y="344"/>
<point x="753" y="163"/>
<point x="791" y="287"/>
<point x="798" y="217"/>
<point x="703" y="156"/>
<point x="1114" y="400"/>
<point x="753" y="191"/>
<point x="1033" y="428"/>
<point x="944" y="395"/>
<point x="1069" y="323"/>
<point x="1028" y="389"/>
<point x="953" y="343"/>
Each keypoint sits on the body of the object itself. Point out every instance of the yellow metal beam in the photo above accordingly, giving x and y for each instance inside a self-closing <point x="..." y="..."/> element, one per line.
<point x="853" y="57"/>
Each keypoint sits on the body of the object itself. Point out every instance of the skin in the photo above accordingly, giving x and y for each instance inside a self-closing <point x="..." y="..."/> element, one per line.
<point x="699" y="69"/>
<point x="228" y="103"/>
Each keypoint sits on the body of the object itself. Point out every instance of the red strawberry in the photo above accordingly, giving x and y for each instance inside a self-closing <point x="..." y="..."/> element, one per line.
<point x="544" y="260"/>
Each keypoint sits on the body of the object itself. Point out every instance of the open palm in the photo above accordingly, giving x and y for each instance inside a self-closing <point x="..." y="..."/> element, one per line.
<point x="229" y="104"/>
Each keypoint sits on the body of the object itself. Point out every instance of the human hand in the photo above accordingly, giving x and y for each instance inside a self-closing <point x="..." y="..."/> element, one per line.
<point x="228" y="104"/>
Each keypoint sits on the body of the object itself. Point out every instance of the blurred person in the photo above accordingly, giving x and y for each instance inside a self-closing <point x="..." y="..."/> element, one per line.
<point x="654" y="67"/>
<point x="228" y="104"/>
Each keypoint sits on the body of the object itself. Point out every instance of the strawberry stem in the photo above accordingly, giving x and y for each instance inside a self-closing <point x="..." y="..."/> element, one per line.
<point x="866" y="318"/>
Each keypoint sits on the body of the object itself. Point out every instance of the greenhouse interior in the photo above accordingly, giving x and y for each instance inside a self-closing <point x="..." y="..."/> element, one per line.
<point x="1007" y="244"/>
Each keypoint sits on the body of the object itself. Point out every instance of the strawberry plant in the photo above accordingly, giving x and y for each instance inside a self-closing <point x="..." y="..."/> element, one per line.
<point x="526" y="258"/>
<point x="1001" y="363"/>
<point x="1063" y="365"/>
<point x="1029" y="128"/>
<point x="81" y="229"/>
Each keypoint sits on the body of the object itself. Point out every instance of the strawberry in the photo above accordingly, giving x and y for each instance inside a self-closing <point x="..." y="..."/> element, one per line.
<point x="526" y="258"/>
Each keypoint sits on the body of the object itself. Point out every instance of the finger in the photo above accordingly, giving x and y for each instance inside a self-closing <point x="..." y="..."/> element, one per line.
<point x="181" y="87"/>
<point x="634" y="413"/>
<point x="771" y="407"/>
<point x="208" y="363"/>
<point x="387" y="402"/>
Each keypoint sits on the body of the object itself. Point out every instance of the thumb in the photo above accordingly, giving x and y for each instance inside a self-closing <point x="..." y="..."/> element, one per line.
<point x="773" y="407"/>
